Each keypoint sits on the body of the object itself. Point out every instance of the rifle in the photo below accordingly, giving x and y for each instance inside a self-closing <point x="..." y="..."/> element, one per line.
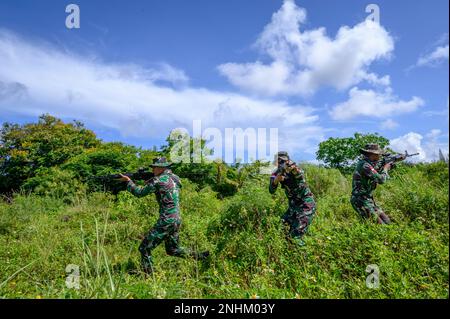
<point x="283" y="168"/>
<point x="390" y="158"/>
<point x="140" y="175"/>
<point x="113" y="183"/>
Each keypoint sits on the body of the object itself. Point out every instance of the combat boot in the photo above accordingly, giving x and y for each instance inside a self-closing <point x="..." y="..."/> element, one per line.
<point x="384" y="218"/>
<point x="147" y="265"/>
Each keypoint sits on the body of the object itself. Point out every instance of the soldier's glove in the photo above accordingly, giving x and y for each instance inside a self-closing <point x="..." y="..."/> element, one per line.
<point x="279" y="178"/>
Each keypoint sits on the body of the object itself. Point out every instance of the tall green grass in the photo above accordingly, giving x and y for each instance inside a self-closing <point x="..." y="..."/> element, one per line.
<point x="250" y="254"/>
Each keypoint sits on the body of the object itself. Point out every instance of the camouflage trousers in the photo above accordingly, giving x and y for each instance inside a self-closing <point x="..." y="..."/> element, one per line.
<point x="299" y="216"/>
<point x="167" y="231"/>
<point x="368" y="209"/>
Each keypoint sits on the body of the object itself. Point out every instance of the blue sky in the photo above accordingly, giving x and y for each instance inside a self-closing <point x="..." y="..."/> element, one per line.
<point x="313" y="69"/>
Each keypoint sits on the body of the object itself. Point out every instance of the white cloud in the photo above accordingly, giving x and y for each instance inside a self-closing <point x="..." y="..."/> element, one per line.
<point x="373" y="104"/>
<point x="167" y="73"/>
<point x="389" y="124"/>
<point x="411" y="142"/>
<point x="438" y="56"/>
<point x="304" y="61"/>
<point x="39" y="78"/>
<point x="443" y="113"/>
<point x="427" y="147"/>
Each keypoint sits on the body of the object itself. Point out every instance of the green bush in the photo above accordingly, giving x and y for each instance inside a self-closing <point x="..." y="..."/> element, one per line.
<point x="325" y="182"/>
<point x="342" y="153"/>
<point x="250" y="253"/>
<point x="24" y="149"/>
<point x="436" y="173"/>
<point x="417" y="193"/>
<point x="54" y="182"/>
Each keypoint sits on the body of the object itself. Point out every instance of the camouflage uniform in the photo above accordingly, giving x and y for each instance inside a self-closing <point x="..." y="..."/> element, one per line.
<point x="366" y="177"/>
<point x="302" y="206"/>
<point x="167" y="190"/>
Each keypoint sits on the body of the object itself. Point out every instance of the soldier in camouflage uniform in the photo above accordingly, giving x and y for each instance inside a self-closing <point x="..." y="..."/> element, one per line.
<point x="166" y="187"/>
<point x="366" y="177"/>
<point x="302" y="206"/>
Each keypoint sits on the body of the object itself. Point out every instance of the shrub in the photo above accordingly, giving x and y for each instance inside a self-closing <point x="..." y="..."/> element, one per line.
<point x="325" y="182"/>
<point x="24" y="149"/>
<point x="55" y="182"/>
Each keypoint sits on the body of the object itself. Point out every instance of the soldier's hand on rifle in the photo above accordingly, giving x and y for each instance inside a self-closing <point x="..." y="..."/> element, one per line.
<point x="279" y="178"/>
<point x="124" y="178"/>
<point x="387" y="166"/>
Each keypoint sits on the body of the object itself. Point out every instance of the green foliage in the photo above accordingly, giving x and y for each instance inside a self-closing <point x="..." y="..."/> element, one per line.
<point x="108" y="158"/>
<point x="341" y="153"/>
<point x="26" y="148"/>
<point x="437" y="172"/>
<point x="418" y="193"/>
<point x="250" y="253"/>
<point x="323" y="181"/>
<point x="54" y="222"/>
<point x="192" y="161"/>
<point x="55" y="182"/>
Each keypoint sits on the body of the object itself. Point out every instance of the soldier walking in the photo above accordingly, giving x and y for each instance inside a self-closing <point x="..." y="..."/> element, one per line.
<point x="366" y="177"/>
<point x="302" y="206"/>
<point x="166" y="187"/>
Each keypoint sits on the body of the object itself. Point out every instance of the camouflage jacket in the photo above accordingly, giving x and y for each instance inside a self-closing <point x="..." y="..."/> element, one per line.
<point x="366" y="177"/>
<point x="294" y="183"/>
<point x="167" y="190"/>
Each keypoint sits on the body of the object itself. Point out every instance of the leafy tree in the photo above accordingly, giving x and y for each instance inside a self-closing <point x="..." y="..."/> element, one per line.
<point x="108" y="158"/>
<point x="220" y="176"/>
<point x="199" y="170"/>
<point x="55" y="182"/>
<point x="341" y="153"/>
<point x="26" y="148"/>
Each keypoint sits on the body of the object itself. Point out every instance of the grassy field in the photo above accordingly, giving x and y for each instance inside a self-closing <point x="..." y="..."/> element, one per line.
<point x="250" y="256"/>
